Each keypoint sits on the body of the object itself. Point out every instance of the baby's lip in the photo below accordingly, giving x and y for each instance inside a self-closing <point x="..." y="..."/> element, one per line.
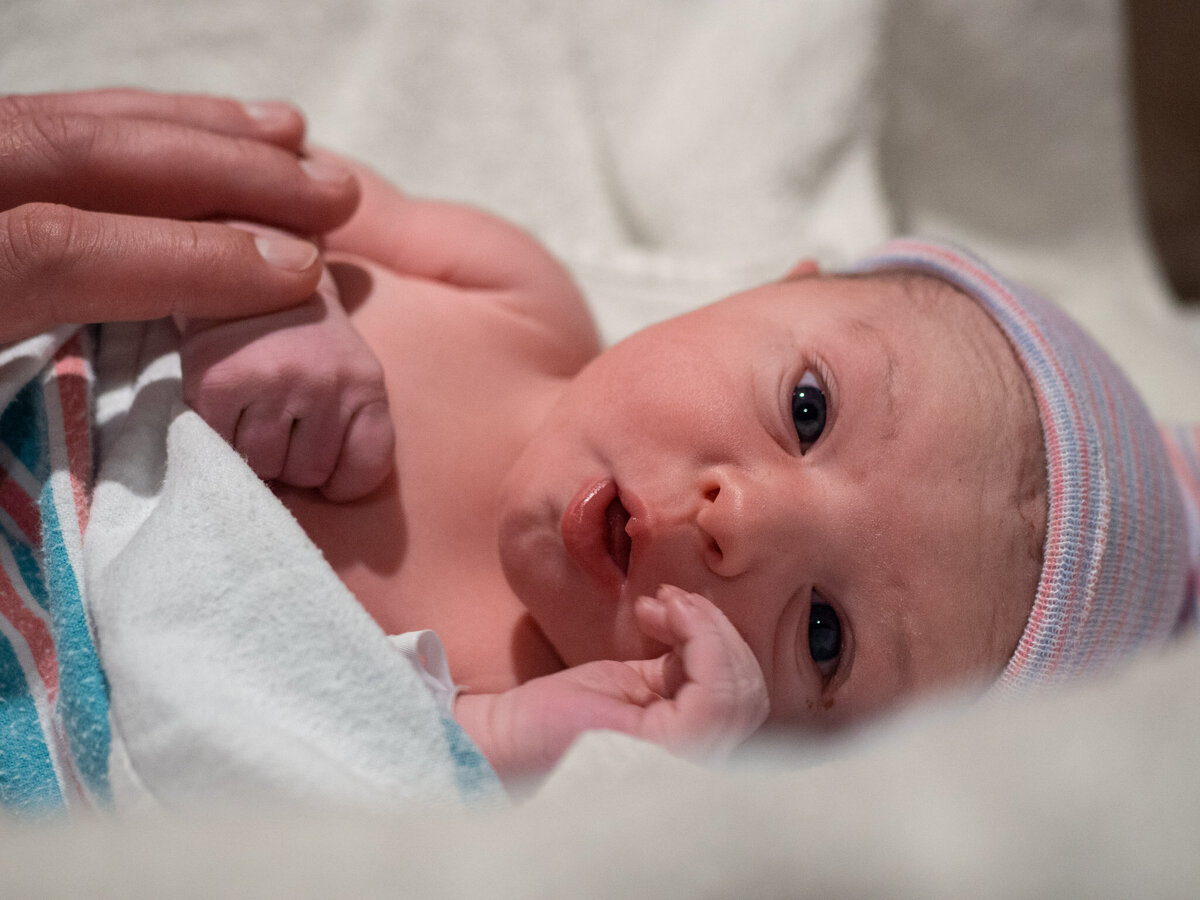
<point x="588" y="526"/>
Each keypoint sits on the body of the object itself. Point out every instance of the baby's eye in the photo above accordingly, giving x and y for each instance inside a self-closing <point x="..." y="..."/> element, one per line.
<point x="824" y="635"/>
<point x="808" y="410"/>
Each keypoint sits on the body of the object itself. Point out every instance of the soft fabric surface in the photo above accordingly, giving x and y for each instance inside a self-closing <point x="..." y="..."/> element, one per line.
<point x="54" y="728"/>
<point x="233" y="665"/>
<point x="1089" y="792"/>
<point x="672" y="151"/>
<point x="239" y="667"/>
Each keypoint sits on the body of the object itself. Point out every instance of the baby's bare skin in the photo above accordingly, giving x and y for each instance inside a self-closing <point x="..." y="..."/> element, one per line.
<point x="905" y="520"/>
<point x="477" y="329"/>
<point x="467" y="378"/>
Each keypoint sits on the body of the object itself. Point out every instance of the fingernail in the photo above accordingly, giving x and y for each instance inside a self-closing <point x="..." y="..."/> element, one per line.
<point x="319" y="170"/>
<point x="269" y="113"/>
<point x="288" y="253"/>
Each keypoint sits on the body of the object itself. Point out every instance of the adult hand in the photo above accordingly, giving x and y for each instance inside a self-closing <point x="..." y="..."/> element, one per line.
<point x="106" y="199"/>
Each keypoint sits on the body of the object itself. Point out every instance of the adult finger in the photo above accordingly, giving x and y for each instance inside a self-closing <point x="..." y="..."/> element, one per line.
<point x="156" y="168"/>
<point x="59" y="264"/>
<point x="272" y="121"/>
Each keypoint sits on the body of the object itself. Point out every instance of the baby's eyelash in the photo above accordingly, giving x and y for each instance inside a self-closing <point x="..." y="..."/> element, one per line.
<point x="809" y="410"/>
<point x="824" y="636"/>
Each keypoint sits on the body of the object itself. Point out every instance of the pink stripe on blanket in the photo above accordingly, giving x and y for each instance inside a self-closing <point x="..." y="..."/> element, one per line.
<point x="72" y="378"/>
<point x="21" y="508"/>
<point x="34" y="632"/>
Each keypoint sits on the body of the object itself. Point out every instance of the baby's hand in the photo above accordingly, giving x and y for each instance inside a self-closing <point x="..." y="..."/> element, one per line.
<point x="701" y="699"/>
<point x="298" y="393"/>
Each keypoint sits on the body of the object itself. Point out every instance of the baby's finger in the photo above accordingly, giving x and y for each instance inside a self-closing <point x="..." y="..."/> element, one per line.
<point x="722" y="698"/>
<point x="653" y="617"/>
<point x="674" y="616"/>
<point x="315" y="443"/>
<point x="664" y="674"/>
<point x="367" y="454"/>
<point x="709" y="644"/>
<point x="262" y="436"/>
<point x="222" y="411"/>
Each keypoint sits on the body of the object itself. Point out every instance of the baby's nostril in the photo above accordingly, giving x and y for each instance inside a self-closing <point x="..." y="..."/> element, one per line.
<point x="711" y="494"/>
<point x="715" y="549"/>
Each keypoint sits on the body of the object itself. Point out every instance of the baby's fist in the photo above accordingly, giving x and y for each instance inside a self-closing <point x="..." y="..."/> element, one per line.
<point x="297" y="393"/>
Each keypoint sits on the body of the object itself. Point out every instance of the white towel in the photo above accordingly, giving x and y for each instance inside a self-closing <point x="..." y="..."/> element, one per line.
<point x="240" y="668"/>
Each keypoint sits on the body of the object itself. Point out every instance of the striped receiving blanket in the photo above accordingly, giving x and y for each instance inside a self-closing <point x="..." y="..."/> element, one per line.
<point x="169" y="637"/>
<point x="54" y="729"/>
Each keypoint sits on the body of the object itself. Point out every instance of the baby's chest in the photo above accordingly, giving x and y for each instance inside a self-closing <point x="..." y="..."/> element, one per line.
<point x="421" y="552"/>
<point x="465" y="391"/>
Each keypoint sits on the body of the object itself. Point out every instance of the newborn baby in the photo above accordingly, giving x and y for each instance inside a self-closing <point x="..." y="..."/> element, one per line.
<point x="806" y="502"/>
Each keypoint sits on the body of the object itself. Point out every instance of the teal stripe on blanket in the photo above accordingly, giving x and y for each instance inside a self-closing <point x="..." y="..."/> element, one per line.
<point x="28" y="784"/>
<point x="71" y="739"/>
<point x="82" y="689"/>
<point x="473" y="774"/>
<point x="23" y="428"/>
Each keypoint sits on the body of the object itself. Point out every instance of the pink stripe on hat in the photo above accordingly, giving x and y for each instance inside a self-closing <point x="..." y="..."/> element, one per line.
<point x="1115" y="563"/>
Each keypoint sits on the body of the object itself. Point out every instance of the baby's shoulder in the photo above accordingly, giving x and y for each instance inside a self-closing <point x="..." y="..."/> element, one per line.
<point x="540" y="324"/>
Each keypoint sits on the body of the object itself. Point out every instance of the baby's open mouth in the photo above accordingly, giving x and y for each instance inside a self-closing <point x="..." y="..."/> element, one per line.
<point x="616" y="516"/>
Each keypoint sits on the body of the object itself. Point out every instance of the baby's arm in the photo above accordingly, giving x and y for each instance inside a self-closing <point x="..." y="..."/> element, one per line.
<point x="476" y="254"/>
<point x="298" y="393"/>
<point x="701" y="699"/>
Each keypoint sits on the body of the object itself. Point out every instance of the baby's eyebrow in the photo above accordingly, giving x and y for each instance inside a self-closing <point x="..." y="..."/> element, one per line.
<point x="864" y="329"/>
<point x="902" y="653"/>
<point x="890" y="644"/>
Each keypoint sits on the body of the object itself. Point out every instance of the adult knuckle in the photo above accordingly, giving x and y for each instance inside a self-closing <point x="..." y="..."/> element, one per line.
<point x="54" y="140"/>
<point x="13" y="106"/>
<point x="39" y="239"/>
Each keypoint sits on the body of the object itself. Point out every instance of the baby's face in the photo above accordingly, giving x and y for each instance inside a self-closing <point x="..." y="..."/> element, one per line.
<point x="835" y="464"/>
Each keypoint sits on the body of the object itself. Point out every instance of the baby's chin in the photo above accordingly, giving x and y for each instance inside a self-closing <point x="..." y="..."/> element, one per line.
<point x="585" y="639"/>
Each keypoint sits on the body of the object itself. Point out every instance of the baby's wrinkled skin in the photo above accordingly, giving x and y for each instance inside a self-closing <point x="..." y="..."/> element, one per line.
<point x="840" y="479"/>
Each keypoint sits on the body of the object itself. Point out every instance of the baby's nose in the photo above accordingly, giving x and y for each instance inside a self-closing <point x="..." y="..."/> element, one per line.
<point x="740" y="522"/>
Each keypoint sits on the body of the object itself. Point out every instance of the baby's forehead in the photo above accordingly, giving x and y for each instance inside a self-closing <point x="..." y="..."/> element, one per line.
<point x="952" y="324"/>
<point x="981" y="373"/>
<point x="874" y="305"/>
<point x="908" y="293"/>
<point x="967" y="359"/>
<point x="951" y="318"/>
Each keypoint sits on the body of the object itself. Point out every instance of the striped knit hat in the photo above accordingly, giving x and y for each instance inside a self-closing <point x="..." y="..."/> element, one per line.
<point x="1115" y="564"/>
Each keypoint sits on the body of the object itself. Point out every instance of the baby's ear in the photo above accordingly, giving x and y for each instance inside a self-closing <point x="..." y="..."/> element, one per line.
<point x="806" y="268"/>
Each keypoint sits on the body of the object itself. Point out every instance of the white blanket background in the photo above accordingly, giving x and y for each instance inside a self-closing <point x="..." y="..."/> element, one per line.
<point x="670" y="152"/>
